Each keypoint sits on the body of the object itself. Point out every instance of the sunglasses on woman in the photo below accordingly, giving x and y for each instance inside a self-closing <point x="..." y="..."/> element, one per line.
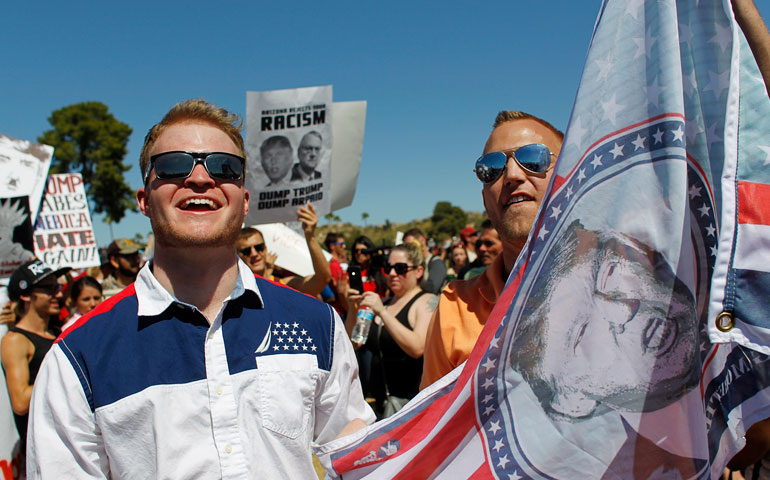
<point x="401" y="268"/>
<point x="535" y="159"/>
<point x="178" y="164"/>
<point x="258" y="248"/>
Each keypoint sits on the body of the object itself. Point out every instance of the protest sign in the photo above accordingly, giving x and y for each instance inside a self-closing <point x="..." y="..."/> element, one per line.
<point x="64" y="235"/>
<point x="23" y="169"/>
<point x="630" y="340"/>
<point x="290" y="248"/>
<point x="348" y="121"/>
<point x="15" y="234"/>
<point x="288" y="145"/>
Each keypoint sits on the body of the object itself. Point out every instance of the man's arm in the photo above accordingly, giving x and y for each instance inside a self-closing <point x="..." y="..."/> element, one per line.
<point x="314" y="283"/>
<point x="341" y="399"/>
<point x="15" y="357"/>
<point x="748" y="18"/>
<point x="436" y="363"/>
<point x="63" y="440"/>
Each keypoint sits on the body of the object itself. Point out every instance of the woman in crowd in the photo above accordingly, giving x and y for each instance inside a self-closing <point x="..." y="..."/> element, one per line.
<point x="373" y="280"/>
<point x="84" y="295"/>
<point x="458" y="259"/>
<point x="397" y="336"/>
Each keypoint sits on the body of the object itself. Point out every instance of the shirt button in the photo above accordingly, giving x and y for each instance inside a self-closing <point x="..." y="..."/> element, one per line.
<point x="219" y="390"/>
<point x="210" y="335"/>
<point x="228" y="448"/>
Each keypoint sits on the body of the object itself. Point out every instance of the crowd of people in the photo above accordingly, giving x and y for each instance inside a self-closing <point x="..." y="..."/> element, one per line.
<point x="209" y="360"/>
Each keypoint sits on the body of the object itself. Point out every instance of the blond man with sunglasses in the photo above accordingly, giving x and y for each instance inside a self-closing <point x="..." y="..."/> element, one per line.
<point x="514" y="170"/>
<point x="199" y="369"/>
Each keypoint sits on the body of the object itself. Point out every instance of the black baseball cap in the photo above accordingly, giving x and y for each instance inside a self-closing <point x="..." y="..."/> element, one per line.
<point x="30" y="274"/>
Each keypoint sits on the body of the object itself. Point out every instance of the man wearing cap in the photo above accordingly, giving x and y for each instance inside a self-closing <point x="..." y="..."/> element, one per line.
<point x="199" y="369"/>
<point x="469" y="235"/>
<point x="35" y="288"/>
<point x="512" y="197"/>
<point x="123" y="255"/>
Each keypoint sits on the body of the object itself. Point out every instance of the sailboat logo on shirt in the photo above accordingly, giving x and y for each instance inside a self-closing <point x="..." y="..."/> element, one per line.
<point x="286" y="337"/>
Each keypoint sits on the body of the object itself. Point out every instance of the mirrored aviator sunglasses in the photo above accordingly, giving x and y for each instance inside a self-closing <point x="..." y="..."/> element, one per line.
<point x="534" y="159"/>
<point x="178" y="164"/>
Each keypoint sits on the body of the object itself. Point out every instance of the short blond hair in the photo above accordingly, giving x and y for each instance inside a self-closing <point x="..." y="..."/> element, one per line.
<point x="509" y="115"/>
<point x="194" y="110"/>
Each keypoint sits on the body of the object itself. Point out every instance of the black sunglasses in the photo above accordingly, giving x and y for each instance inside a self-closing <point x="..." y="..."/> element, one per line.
<point x="260" y="247"/>
<point x="178" y="164"/>
<point x="51" y="290"/>
<point x="401" y="268"/>
<point x="535" y="158"/>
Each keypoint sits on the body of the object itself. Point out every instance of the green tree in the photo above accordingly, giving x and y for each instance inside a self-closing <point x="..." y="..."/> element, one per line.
<point x="447" y="220"/>
<point x="329" y="217"/>
<point x="89" y="140"/>
<point x="364" y="216"/>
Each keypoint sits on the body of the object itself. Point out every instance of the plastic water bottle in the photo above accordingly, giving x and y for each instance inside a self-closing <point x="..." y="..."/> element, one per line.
<point x="364" y="319"/>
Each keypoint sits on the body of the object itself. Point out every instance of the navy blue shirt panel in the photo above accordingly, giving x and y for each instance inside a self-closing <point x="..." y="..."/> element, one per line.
<point x="297" y="324"/>
<point x="116" y="353"/>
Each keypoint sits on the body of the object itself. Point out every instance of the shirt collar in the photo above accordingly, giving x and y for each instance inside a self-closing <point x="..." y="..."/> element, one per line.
<point x="154" y="299"/>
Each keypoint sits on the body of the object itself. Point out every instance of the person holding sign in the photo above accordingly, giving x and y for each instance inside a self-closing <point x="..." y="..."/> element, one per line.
<point x="199" y="369"/>
<point x="251" y="248"/>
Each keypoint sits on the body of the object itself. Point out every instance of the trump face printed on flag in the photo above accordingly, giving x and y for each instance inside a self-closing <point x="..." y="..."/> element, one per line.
<point x="611" y="326"/>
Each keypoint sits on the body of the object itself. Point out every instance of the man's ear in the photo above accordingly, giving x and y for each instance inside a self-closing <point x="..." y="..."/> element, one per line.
<point x="142" y="201"/>
<point x="245" y="202"/>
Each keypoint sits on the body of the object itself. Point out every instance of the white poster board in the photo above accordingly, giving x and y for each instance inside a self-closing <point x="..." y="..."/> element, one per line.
<point x="288" y="145"/>
<point x="348" y="122"/>
<point x="23" y="169"/>
<point x="290" y="248"/>
<point x="64" y="234"/>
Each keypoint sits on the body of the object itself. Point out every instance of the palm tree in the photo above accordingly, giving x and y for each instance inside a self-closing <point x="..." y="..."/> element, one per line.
<point x="364" y="216"/>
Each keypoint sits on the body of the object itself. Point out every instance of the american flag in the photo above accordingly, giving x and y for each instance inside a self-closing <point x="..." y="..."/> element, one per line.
<point x="631" y="340"/>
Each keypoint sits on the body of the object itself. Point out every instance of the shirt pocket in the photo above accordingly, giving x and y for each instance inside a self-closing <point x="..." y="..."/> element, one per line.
<point x="286" y="386"/>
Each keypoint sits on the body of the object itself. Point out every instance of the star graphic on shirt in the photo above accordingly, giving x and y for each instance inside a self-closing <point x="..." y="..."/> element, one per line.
<point x="493" y="343"/>
<point x="644" y="45"/>
<point x="693" y="128"/>
<point x="503" y="461"/>
<point x="304" y="347"/>
<point x="704" y="210"/>
<point x="285" y="347"/>
<point x="494" y="427"/>
<point x="597" y="161"/>
<point x="293" y="332"/>
<point x="713" y="249"/>
<point x="569" y="192"/>
<point x="295" y="325"/>
<point x="276" y="347"/>
<point x="488" y="411"/>
<point x="658" y="136"/>
<point x="313" y="348"/>
<point x="694" y="192"/>
<point x="303" y="331"/>
<point x="514" y="476"/>
<point x="499" y="443"/>
<point x="581" y="175"/>
<point x="611" y="108"/>
<point x="616" y="151"/>
<point x="488" y="383"/>
<point x="280" y="339"/>
<point x="295" y="347"/>
<point x="488" y="398"/>
<point x="685" y="33"/>
<point x="290" y="339"/>
<point x="555" y="212"/>
<point x="542" y="233"/>
<point x="639" y="142"/>
<point x="711" y="230"/>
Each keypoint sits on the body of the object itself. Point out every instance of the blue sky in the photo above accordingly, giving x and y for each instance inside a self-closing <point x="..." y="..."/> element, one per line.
<point x="433" y="74"/>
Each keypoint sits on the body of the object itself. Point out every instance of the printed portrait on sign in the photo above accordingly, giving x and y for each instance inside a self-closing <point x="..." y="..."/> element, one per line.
<point x="608" y="325"/>
<point x="15" y="234"/>
<point x="276" y="157"/>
